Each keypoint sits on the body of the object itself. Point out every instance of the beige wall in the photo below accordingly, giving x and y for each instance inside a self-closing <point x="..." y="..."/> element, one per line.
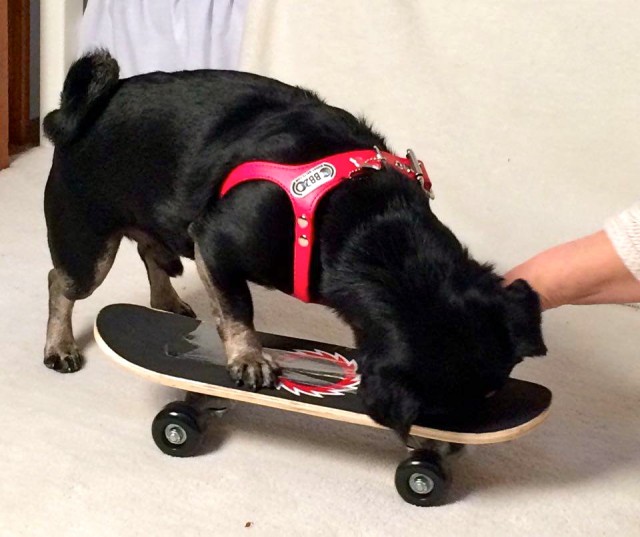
<point x="526" y="112"/>
<point x="59" y="22"/>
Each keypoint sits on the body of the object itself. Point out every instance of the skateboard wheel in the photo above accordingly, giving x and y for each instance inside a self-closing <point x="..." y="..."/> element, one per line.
<point x="176" y="430"/>
<point x="422" y="480"/>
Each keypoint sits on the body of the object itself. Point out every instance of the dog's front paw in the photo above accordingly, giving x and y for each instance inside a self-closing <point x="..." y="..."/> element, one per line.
<point x="254" y="370"/>
<point x="68" y="361"/>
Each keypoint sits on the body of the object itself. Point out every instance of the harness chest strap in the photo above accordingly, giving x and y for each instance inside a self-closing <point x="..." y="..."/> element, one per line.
<point x="306" y="184"/>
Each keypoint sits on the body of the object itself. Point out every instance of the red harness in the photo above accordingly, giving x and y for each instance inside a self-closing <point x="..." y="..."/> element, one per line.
<point x="306" y="184"/>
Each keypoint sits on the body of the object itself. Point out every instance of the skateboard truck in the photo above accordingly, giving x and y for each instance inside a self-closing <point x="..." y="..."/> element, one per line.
<point x="209" y="405"/>
<point x="444" y="449"/>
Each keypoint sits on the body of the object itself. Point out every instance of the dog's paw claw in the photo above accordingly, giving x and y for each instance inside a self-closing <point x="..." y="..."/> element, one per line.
<point x="187" y="311"/>
<point x="254" y="371"/>
<point x="174" y="306"/>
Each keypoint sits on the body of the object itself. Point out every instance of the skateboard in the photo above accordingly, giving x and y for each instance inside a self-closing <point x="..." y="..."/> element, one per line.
<point x="318" y="379"/>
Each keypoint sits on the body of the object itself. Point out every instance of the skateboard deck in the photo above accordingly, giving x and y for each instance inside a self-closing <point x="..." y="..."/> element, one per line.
<point x="318" y="379"/>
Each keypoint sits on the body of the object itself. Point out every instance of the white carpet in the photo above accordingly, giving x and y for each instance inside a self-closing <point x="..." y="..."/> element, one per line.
<point x="77" y="456"/>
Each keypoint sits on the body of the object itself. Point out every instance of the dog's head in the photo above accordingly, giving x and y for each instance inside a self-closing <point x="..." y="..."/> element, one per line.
<point x="436" y="331"/>
<point x="450" y="350"/>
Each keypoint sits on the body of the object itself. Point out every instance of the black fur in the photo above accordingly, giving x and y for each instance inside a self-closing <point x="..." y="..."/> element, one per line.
<point x="434" y="328"/>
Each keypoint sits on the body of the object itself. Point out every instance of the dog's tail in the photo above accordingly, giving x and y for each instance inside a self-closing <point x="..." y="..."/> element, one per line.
<point x="88" y="86"/>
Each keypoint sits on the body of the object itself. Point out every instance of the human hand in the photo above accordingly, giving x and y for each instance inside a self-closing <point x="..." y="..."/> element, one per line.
<point x="584" y="271"/>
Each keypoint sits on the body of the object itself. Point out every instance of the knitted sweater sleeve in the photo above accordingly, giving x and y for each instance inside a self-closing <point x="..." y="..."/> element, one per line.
<point x="623" y="231"/>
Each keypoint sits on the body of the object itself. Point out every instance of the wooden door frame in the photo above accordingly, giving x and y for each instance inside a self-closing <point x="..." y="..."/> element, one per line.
<point x="4" y="84"/>
<point x="17" y="131"/>
<point x="19" y="76"/>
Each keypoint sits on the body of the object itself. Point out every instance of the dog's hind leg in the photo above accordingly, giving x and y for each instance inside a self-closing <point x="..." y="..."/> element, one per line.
<point x="233" y="311"/>
<point x="161" y="265"/>
<point x="61" y="352"/>
<point x="82" y="252"/>
<point x="76" y="274"/>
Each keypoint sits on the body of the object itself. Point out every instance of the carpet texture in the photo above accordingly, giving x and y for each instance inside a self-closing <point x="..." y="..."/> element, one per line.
<point x="77" y="456"/>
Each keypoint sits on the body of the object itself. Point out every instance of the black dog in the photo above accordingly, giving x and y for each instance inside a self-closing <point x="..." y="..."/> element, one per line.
<point x="144" y="158"/>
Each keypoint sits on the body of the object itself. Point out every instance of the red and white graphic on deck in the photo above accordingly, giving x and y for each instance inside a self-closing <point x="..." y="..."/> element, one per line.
<point x="317" y="373"/>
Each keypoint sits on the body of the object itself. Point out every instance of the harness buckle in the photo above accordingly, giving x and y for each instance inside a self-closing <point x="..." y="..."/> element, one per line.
<point x="418" y="168"/>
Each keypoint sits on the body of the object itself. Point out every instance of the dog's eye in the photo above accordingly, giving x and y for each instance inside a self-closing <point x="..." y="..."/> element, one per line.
<point x="490" y="394"/>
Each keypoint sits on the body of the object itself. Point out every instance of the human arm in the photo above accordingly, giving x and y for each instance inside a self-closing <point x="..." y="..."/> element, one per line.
<point x="602" y="268"/>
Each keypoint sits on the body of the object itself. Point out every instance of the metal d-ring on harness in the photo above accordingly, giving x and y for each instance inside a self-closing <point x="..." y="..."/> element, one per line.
<point x="377" y="163"/>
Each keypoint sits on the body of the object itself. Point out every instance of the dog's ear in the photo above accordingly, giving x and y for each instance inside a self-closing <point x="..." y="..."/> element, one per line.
<point x="524" y="320"/>
<point x="389" y="401"/>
